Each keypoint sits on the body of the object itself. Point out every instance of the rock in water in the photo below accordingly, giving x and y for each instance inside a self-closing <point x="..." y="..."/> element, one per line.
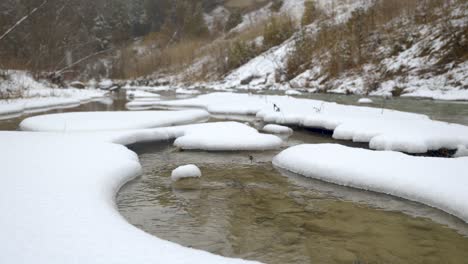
<point x="187" y="171"/>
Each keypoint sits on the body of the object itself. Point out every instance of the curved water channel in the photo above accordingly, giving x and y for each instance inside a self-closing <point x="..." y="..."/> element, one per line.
<point x="252" y="210"/>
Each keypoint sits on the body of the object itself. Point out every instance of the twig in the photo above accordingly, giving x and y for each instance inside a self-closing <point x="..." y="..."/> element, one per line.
<point x="22" y="20"/>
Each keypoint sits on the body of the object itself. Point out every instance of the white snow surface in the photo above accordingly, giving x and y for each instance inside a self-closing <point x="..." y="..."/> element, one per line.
<point x="277" y="129"/>
<point x="133" y="127"/>
<point x="139" y="95"/>
<point x="224" y="136"/>
<point x="462" y="151"/>
<point x="186" y="171"/>
<point x="437" y="182"/>
<point x="365" y="101"/>
<point x="39" y="97"/>
<point x="59" y="205"/>
<point x="383" y="129"/>
<point x="102" y="121"/>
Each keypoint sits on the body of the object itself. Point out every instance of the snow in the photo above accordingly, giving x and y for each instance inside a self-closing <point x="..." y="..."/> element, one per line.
<point x="186" y="171"/>
<point x="462" y="151"/>
<point x="292" y="92"/>
<point x="139" y="95"/>
<point x="59" y="206"/>
<point x="437" y="182"/>
<point x="224" y="136"/>
<point x="277" y="129"/>
<point x="186" y="91"/>
<point x="102" y="121"/>
<point x="365" y="101"/>
<point x="132" y="127"/>
<point x="106" y="84"/>
<point x="383" y="129"/>
<point x="35" y="96"/>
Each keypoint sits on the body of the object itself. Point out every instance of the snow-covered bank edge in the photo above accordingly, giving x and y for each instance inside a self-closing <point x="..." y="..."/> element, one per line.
<point x="69" y="212"/>
<point x="436" y="182"/>
<point x="19" y="107"/>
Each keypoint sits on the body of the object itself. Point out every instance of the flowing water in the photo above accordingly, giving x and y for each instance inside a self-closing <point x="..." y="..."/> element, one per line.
<point x="249" y="209"/>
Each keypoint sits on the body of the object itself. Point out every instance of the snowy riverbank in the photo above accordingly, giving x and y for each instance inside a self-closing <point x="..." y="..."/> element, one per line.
<point x="59" y="205"/>
<point x="383" y="129"/>
<point x="437" y="182"/>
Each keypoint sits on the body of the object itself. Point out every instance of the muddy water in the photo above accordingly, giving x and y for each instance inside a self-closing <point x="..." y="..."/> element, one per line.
<point x="254" y="211"/>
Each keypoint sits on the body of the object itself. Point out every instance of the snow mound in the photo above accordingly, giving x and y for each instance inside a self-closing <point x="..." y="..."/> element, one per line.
<point x="224" y="136"/>
<point x="59" y="205"/>
<point x="292" y="92"/>
<point x="99" y="121"/>
<point x="186" y="171"/>
<point x="365" y="101"/>
<point x="277" y="129"/>
<point x="437" y="182"/>
<point x="462" y="151"/>
<point x="138" y="95"/>
<point x="383" y="129"/>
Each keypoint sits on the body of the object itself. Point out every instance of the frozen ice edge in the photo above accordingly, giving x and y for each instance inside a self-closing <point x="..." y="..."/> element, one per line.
<point x="436" y="182"/>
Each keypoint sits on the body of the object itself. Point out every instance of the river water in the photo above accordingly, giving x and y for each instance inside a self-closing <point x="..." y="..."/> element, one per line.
<point x="249" y="209"/>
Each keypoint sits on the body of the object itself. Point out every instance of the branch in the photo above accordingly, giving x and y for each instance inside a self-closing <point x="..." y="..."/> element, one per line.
<point x="81" y="60"/>
<point x="22" y="20"/>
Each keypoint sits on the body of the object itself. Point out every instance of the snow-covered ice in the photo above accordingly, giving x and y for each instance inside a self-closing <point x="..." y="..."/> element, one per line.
<point x="186" y="171"/>
<point x="35" y="96"/>
<point x="437" y="182"/>
<point x="132" y="127"/>
<point x="224" y="136"/>
<point x="277" y="129"/>
<point x="462" y="151"/>
<point x="59" y="205"/>
<point x="292" y="92"/>
<point x="138" y="95"/>
<point x="99" y="121"/>
<point x="383" y="129"/>
<point x="365" y="101"/>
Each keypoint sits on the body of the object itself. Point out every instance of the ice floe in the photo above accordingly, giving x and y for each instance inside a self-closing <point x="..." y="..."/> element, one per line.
<point x="437" y="182"/>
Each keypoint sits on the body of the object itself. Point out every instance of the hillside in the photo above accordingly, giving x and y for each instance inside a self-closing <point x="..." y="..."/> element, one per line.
<point x="384" y="48"/>
<point x="369" y="47"/>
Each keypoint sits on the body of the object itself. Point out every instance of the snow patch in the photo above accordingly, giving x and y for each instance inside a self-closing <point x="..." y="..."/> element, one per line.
<point x="365" y="101"/>
<point x="105" y="121"/>
<point x="437" y="182"/>
<point x="186" y="171"/>
<point x="277" y="129"/>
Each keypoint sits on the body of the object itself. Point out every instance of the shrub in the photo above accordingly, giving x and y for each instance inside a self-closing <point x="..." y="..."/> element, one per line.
<point x="277" y="30"/>
<point x="276" y="5"/>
